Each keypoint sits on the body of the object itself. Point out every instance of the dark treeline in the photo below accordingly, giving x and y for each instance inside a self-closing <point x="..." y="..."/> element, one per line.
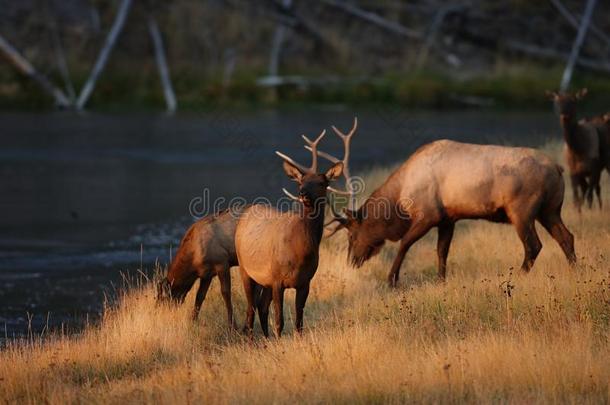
<point x="427" y="53"/>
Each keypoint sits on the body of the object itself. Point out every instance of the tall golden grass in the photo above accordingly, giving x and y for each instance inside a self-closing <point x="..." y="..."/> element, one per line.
<point x="466" y="340"/>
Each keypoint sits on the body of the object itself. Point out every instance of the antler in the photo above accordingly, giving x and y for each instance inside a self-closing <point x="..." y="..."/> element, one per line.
<point x="313" y="147"/>
<point x="346" y="138"/>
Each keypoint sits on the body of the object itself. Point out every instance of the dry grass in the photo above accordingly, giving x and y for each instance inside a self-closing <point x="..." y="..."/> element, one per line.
<point x="462" y="341"/>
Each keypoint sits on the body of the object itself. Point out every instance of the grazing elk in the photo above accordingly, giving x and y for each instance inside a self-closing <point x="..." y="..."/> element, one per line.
<point x="278" y="250"/>
<point x="582" y="149"/>
<point x="446" y="181"/>
<point x="207" y="250"/>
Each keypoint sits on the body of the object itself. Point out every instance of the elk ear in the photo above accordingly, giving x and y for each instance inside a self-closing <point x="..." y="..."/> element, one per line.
<point x="334" y="172"/>
<point x="551" y="95"/>
<point x="580" y="94"/>
<point x="293" y="172"/>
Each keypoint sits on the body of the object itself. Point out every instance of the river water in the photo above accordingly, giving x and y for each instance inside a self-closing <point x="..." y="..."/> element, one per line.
<point x="85" y="198"/>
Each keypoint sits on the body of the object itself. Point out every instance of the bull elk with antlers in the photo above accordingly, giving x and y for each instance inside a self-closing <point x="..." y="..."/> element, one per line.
<point x="278" y="250"/>
<point x="447" y="181"/>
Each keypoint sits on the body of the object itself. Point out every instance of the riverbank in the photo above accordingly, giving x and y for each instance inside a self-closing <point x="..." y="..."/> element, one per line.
<point x="517" y="87"/>
<point x="467" y="340"/>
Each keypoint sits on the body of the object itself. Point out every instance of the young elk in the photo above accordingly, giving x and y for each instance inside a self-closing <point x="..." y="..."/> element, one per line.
<point x="207" y="250"/>
<point x="446" y="181"/>
<point x="582" y="150"/>
<point x="279" y="250"/>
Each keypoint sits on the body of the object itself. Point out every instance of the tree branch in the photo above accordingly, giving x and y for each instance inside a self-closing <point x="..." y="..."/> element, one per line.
<point x="26" y="68"/>
<point x="102" y="58"/>
<point x="166" y="81"/>
<point x="374" y="19"/>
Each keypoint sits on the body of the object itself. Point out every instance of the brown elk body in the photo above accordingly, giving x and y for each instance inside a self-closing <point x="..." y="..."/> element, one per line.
<point x="602" y="124"/>
<point x="581" y="149"/>
<point x="278" y="250"/>
<point x="207" y="250"/>
<point x="446" y="181"/>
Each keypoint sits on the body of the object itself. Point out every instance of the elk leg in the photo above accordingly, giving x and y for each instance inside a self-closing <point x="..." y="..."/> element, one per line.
<point x="414" y="233"/>
<point x="554" y="226"/>
<point x="598" y="192"/>
<point x="204" y="285"/>
<point x="263" y="310"/>
<point x="250" y="291"/>
<point x="278" y="309"/>
<point x="224" y="275"/>
<point x="595" y="187"/>
<point x="585" y="190"/>
<point x="576" y="185"/>
<point x="531" y="243"/>
<point x="300" y="301"/>
<point x="445" y="234"/>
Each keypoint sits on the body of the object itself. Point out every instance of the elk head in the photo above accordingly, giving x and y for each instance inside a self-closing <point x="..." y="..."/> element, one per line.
<point x="167" y="292"/>
<point x="365" y="238"/>
<point x="312" y="185"/>
<point x="566" y="103"/>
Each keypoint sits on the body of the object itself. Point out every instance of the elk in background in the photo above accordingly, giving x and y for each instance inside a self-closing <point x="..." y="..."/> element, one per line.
<point x="278" y="250"/>
<point x="602" y="124"/>
<point x="447" y="181"/>
<point x="207" y="250"/>
<point x="581" y="150"/>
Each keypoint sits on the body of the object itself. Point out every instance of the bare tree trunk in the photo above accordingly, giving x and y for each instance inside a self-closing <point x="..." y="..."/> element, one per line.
<point x="60" y="56"/>
<point x="437" y="22"/>
<point x="166" y="81"/>
<point x="570" y="18"/>
<point x="276" y="46"/>
<point x="229" y="62"/>
<point x="26" y="68"/>
<point x="580" y="37"/>
<point x="102" y="58"/>
<point x="374" y="19"/>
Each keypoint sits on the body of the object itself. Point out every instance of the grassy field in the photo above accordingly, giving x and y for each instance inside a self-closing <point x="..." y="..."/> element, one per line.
<point x="465" y="340"/>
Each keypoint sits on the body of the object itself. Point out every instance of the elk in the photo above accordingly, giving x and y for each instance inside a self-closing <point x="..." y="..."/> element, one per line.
<point x="446" y="181"/>
<point x="278" y="250"/>
<point x="207" y="250"/>
<point x="581" y="150"/>
<point x="602" y="124"/>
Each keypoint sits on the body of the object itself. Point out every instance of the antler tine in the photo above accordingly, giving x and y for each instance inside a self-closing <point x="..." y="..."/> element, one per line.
<point x="335" y="190"/>
<point x="313" y="147"/>
<point x="293" y="162"/>
<point x="350" y="133"/>
<point x="290" y="195"/>
<point x="325" y="155"/>
<point x="346" y="138"/>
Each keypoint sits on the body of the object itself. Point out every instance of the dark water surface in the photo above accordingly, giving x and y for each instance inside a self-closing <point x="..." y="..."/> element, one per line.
<point x="86" y="197"/>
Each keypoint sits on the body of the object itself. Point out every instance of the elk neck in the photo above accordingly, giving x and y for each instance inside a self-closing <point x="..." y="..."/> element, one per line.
<point x="569" y="127"/>
<point x="312" y="219"/>
<point x="382" y="208"/>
